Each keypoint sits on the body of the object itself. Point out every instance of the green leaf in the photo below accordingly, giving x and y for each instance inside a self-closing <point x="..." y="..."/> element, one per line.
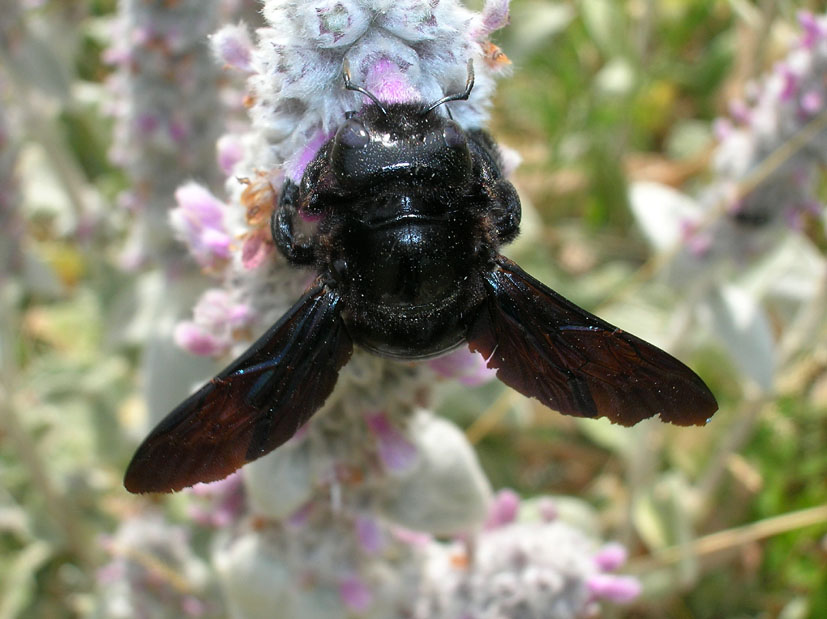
<point x="19" y="582"/>
<point x="607" y="25"/>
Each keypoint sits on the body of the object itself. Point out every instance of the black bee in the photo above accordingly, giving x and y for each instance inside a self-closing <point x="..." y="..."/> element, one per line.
<point x="412" y="212"/>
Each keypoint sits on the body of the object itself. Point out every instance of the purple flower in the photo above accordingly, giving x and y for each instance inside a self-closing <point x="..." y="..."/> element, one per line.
<point x="355" y="593"/>
<point x="494" y="16"/>
<point x="386" y="81"/>
<point x="611" y="557"/>
<point x="619" y="589"/>
<point x="547" y="509"/>
<point x="196" y="340"/>
<point x="397" y="453"/>
<point x="468" y="368"/>
<point x="369" y="534"/>
<point x="199" y="222"/>
<point x="216" y="318"/>
<point x="233" y="47"/>
<point x="814" y="29"/>
<point x="221" y="502"/>
<point x="230" y="151"/>
<point x="504" y="509"/>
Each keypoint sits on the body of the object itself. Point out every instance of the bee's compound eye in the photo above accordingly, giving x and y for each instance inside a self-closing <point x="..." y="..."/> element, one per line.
<point x="340" y="270"/>
<point x="353" y="134"/>
<point x="453" y="135"/>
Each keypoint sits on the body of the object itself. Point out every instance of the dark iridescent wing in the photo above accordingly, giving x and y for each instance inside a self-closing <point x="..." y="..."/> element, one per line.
<point x="253" y="406"/>
<point x="546" y="347"/>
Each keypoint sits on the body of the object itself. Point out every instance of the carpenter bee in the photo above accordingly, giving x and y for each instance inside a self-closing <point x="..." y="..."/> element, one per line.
<point x="412" y="210"/>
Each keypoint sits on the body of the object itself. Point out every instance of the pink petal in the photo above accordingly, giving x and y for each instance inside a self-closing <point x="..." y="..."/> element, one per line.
<point x="620" y="589"/>
<point x="503" y="509"/>
<point x="468" y="368"/>
<point x="611" y="557"/>
<point x="194" y="339"/>
<point x="397" y="453"/>
<point x="369" y="534"/>
<point x="355" y="593"/>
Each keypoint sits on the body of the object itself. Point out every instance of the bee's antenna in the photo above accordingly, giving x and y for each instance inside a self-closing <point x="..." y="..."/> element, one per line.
<point x="349" y="85"/>
<point x="461" y="96"/>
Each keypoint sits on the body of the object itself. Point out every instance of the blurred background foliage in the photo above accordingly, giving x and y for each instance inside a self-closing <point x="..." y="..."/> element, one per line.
<point x="725" y="521"/>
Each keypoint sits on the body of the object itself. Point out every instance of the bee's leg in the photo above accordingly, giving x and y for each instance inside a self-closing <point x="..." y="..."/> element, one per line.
<point x="502" y="199"/>
<point x="297" y="249"/>
<point x="505" y="210"/>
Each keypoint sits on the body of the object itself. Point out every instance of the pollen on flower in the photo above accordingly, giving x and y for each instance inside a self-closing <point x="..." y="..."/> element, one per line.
<point x="259" y="198"/>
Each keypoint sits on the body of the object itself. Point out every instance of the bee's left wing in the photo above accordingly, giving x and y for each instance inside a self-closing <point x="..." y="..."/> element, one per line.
<point x="253" y="406"/>
<point x="548" y="348"/>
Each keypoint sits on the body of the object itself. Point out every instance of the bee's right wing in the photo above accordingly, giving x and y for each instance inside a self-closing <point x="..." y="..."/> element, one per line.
<point x="254" y="405"/>
<point x="548" y="348"/>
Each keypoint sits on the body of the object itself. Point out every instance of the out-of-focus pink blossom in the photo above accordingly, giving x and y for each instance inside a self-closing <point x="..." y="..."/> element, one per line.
<point x="504" y="509"/>
<point x="215" y="319"/>
<point x="619" y="589"/>
<point x="611" y="556"/>
<point x="198" y="221"/>
<point x="548" y="509"/>
<point x="355" y="593"/>
<point x="257" y="248"/>
<point x="233" y="46"/>
<point x="494" y="16"/>
<point x="397" y="453"/>
<point x="814" y="30"/>
<point x="369" y="534"/>
<point x="468" y="368"/>
<point x="410" y="537"/>
<point x="230" y="151"/>
<point x="220" y="502"/>
<point x="197" y="340"/>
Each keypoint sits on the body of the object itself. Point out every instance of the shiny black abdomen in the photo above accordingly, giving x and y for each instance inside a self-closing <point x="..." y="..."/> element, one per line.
<point x="406" y="282"/>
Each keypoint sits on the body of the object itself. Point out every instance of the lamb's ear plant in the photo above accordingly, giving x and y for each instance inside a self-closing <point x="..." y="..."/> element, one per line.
<point x="377" y="507"/>
<point x="753" y="232"/>
<point x="165" y="94"/>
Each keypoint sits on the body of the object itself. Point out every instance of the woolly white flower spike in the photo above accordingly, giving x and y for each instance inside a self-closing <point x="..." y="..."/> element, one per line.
<point x="522" y="565"/>
<point x="153" y="569"/>
<point x="767" y="165"/>
<point x="320" y="564"/>
<point x="402" y="52"/>
<point x="167" y="112"/>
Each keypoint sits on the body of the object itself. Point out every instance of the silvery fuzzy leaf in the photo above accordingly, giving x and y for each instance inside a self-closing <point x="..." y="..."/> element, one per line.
<point x="447" y="491"/>
<point x="147" y="313"/>
<point x="170" y="374"/>
<point x="742" y="328"/>
<point x="258" y="583"/>
<point x="281" y="482"/>
<point x="794" y="272"/>
<point x="255" y="578"/>
<point x="662" y="212"/>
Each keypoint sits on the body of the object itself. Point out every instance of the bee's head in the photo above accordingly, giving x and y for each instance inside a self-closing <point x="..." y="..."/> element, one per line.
<point x="403" y="142"/>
